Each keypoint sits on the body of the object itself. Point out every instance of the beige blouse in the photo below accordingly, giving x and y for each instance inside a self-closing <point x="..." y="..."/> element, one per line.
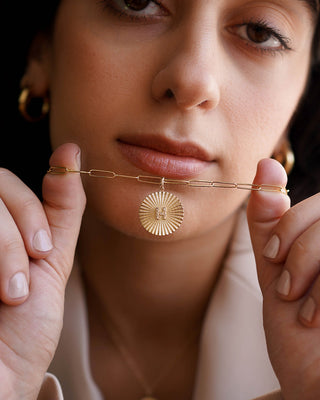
<point x="233" y="362"/>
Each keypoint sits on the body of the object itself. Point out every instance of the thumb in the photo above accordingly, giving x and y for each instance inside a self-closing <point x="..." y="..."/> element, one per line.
<point x="264" y="212"/>
<point x="64" y="202"/>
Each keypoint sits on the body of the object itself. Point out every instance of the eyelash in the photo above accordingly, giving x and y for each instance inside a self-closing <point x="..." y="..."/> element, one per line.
<point x="260" y="24"/>
<point x="273" y="32"/>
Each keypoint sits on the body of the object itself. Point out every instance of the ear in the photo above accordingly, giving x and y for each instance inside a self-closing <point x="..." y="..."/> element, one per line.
<point x="37" y="72"/>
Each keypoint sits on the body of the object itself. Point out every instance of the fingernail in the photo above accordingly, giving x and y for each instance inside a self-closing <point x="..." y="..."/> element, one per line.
<point x="308" y="310"/>
<point x="284" y="283"/>
<point x="78" y="159"/>
<point x="272" y="247"/>
<point x="18" y="286"/>
<point x="42" y="241"/>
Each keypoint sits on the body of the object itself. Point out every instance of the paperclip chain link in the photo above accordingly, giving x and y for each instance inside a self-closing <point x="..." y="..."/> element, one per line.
<point x="157" y="180"/>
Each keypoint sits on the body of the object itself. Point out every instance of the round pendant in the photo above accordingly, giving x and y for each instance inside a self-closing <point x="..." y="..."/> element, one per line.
<point x="161" y="213"/>
<point x="148" y="398"/>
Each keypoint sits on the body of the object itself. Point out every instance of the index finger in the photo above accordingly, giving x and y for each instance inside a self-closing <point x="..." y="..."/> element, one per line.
<point x="28" y="214"/>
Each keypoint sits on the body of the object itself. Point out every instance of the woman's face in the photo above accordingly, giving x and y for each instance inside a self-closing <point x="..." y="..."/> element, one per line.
<point x="178" y="88"/>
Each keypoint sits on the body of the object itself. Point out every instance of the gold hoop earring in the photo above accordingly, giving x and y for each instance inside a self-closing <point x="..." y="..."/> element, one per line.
<point x="285" y="156"/>
<point x="33" y="109"/>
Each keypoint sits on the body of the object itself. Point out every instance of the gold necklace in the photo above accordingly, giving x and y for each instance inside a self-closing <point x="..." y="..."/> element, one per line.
<point x="161" y="213"/>
<point x="118" y="342"/>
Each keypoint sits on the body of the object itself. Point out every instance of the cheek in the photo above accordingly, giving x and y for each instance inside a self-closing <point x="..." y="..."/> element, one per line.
<point x="259" y="110"/>
<point x="93" y="84"/>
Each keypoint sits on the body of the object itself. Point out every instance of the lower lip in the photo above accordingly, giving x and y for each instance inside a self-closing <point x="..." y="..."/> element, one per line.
<point x="162" y="164"/>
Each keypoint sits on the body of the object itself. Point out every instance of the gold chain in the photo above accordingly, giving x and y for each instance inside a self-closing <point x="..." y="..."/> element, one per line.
<point x="157" y="180"/>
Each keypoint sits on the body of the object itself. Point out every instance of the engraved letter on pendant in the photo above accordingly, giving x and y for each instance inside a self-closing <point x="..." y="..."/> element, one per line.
<point x="161" y="214"/>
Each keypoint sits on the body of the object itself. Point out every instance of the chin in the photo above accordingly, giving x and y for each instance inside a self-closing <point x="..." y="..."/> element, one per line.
<point x="117" y="210"/>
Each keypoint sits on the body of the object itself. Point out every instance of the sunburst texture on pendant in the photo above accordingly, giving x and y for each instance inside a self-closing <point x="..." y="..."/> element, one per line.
<point x="161" y="213"/>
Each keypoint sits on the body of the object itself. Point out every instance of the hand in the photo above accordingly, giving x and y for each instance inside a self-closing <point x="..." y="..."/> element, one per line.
<point x="286" y="243"/>
<point x="37" y="241"/>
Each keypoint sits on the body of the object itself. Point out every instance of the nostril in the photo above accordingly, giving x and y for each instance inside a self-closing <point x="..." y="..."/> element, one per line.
<point x="169" y="94"/>
<point x="208" y="104"/>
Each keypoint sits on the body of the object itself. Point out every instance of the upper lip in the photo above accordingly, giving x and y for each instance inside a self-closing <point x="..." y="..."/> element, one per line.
<point x="167" y="145"/>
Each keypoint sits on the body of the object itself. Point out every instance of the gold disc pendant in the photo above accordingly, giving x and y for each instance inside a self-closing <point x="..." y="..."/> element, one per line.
<point x="148" y="398"/>
<point x="161" y="213"/>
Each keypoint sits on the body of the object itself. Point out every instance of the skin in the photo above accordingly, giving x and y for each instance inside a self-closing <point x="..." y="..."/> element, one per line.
<point x="228" y="97"/>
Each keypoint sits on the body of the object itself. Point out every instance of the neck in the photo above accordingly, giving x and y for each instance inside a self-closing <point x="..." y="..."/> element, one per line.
<point x="152" y="283"/>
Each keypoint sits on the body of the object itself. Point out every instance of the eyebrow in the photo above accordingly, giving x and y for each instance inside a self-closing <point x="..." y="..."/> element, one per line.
<point x="313" y="5"/>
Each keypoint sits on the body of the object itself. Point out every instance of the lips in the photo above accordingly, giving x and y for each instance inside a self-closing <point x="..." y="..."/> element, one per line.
<point x="164" y="157"/>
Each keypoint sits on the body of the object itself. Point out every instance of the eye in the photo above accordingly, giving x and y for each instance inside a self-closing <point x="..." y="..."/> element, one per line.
<point x="136" y="5"/>
<point x="262" y="36"/>
<point x="136" y="9"/>
<point x="258" y="35"/>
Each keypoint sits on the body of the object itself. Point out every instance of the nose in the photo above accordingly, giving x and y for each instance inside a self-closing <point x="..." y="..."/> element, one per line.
<point x="188" y="76"/>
